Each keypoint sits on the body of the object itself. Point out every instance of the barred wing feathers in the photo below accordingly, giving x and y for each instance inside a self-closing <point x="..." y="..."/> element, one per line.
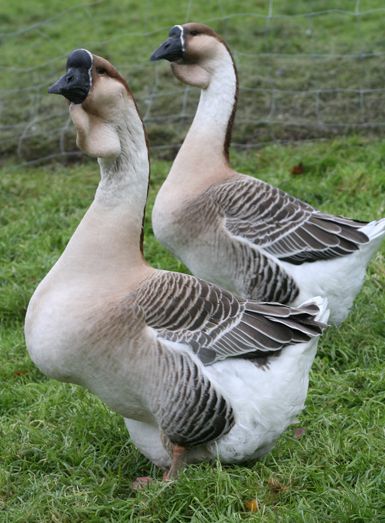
<point x="217" y="325"/>
<point x="283" y="226"/>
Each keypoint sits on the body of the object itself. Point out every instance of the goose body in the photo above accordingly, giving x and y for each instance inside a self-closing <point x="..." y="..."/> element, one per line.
<point x="237" y="231"/>
<point x="187" y="364"/>
<point x="265" y="401"/>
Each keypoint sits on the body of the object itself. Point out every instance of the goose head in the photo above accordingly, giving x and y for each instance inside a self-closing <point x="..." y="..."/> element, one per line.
<point x="195" y="52"/>
<point x="98" y="97"/>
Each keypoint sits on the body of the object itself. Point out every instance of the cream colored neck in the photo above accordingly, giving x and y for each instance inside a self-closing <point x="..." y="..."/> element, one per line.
<point x="204" y="145"/>
<point x="107" y="241"/>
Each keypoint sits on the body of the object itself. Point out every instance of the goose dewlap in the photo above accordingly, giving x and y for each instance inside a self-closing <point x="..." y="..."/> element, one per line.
<point x="97" y="91"/>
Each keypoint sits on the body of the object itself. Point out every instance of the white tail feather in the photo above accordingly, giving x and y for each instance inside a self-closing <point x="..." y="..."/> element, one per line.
<point x="322" y="304"/>
<point x="375" y="229"/>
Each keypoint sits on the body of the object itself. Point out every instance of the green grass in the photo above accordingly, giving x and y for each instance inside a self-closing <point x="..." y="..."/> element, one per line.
<point x="283" y="63"/>
<point x="65" y="458"/>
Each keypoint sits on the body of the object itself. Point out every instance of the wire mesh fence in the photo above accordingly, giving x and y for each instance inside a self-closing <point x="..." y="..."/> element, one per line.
<point x="308" y="69"/>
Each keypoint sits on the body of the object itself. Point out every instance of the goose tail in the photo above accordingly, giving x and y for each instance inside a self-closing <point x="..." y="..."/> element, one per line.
<point x="321" y="302"/>
<point x="374" y="230"/>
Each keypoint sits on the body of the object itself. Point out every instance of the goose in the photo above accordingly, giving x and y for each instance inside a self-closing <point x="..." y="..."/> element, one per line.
<point x="235" y="230"/>
<point x="196" y="372"/>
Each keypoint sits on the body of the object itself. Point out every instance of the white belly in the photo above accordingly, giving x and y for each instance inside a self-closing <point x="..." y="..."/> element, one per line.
<point x="339" y="280"/>
<point x="265" y="402"/>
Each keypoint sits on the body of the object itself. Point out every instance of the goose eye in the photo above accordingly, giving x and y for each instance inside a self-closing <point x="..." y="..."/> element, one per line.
<point x="101" y="70"/>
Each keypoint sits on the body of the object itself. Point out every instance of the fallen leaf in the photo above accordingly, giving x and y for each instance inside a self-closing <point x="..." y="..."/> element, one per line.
<point x="252" y="505"/>
<point x="20" y="372"/>
<point x="298" y="433"/>
<point x="299" y="168"/>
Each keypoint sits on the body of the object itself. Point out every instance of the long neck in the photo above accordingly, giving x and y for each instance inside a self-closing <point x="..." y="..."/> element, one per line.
<point x="207" y="141"/>
<point x="124" y="181"/>
<point x="108" y="239"/>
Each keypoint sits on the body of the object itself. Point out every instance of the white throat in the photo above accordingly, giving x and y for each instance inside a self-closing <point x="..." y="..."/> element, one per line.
<point x="207" y="133"/>
<point x="124" y="180"/>
<point x="201" y="160"/>
<point x="107" y="240"/>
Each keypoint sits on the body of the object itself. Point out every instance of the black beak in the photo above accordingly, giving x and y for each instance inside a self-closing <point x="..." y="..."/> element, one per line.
<point x="74" y="85"/>
<point x="170" y="50"/>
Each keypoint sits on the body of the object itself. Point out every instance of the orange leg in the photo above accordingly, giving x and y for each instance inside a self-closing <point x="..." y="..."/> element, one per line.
<point x="177" y="462"/>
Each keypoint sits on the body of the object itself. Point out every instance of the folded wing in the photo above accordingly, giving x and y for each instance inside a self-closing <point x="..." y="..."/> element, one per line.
<point x="217" y="325"/>
<point x="283" y="226"/>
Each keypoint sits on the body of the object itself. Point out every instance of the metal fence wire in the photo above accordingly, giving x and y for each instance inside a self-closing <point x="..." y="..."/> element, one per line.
<point x="304" y="74"/>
